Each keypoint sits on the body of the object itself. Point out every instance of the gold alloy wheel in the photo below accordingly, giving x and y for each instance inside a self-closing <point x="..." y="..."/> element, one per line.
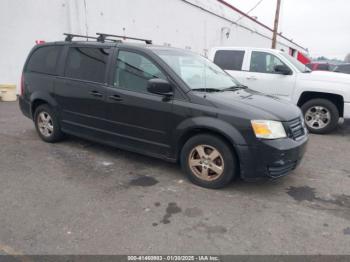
<point x="206" y="162"/>
<point x="45" y="124"/>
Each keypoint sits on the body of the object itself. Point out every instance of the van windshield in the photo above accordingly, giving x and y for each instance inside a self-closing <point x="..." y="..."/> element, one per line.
<point x="198" y="72"/>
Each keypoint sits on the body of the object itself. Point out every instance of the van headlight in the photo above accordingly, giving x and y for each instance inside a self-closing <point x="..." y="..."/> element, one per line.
<point x="268" y="129"/>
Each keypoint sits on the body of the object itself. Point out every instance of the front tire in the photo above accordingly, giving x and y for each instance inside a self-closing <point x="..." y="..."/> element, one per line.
<point x="321" y="116"/>
<point x="208" y="161"/>
<point x="47" y="124"/>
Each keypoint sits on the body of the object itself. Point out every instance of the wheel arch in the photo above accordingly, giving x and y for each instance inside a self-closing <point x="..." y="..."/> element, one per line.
<point x="38" y="99"/>
<point x="209" y="126"/>
<point x="336" y="99"/>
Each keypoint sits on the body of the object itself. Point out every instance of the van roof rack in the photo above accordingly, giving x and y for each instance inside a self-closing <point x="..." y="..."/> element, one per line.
<point x="102" y="37"/>
<point x="69" y="37"/>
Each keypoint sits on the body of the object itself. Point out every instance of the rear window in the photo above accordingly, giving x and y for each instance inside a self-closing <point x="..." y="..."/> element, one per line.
<point x="87" y="63"/>
<point x="44" y="60"/>
<point x="229" y="59"/>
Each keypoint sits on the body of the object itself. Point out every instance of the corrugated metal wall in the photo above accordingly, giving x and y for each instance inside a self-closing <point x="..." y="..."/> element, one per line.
<point x="192" y="24"/>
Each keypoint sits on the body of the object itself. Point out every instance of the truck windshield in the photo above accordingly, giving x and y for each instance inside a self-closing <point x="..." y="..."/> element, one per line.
<point x="197" y="72"/>
<point x="300" y="66"/>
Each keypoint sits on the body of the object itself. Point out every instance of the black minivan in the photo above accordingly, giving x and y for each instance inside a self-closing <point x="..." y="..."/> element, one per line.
<point x="163" y="102"/>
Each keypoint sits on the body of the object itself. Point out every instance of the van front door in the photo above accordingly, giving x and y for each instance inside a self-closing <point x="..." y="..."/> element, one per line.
<point x="136" y="118"/>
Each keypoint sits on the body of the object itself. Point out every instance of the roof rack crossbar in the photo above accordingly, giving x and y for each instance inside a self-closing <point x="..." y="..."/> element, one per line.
<point x="102" y="37"/>
<point x="69" y="37"/>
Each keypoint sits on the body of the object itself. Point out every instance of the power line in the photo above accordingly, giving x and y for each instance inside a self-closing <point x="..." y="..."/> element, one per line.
<point x="254" y="7"/>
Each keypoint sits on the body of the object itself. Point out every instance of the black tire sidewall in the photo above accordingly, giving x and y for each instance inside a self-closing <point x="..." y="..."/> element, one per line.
<point x="229" y="158"/>
<point x="332" y="109"/>
<point x="57" y="134"/>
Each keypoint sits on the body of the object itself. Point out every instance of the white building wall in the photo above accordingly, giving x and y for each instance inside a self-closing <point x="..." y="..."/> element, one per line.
<point x="193" y="24"/>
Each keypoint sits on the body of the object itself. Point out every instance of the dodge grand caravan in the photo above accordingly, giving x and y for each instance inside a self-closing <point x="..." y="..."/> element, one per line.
<point x="163" y="102"/>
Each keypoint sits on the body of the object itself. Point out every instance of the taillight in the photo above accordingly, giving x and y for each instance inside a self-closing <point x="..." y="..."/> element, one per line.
<point x="39" y="42"/>
<point x="22" y="85"/>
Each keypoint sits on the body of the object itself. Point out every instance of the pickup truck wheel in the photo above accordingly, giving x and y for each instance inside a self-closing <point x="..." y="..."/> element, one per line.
<point x="321" y="116"/>
<point x="208" y="161"/>
<point x="47" y="124"/>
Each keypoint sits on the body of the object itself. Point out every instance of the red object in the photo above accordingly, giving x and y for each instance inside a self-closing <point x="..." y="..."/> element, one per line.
<point x="22" y="85"/>
<point x="303" y="58"/>
<point x="39" y="42"/>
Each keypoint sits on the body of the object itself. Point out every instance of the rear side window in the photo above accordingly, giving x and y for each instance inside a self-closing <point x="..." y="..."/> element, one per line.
<point x="87" y="63"/>
<point x="44" y="60"/>
<point x="229" y="59"/>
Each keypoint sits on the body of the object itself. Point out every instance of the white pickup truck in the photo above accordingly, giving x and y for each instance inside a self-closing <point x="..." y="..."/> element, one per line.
<point x="324" y="97"/>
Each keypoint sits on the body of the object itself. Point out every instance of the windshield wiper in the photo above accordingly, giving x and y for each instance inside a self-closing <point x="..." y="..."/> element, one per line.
<point x="234" y="88"/>
<point x="206" y="89"/>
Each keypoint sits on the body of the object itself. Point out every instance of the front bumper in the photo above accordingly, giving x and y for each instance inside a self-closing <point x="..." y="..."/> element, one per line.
<point x="347" y="110"/>
<point x="271" y="158"/>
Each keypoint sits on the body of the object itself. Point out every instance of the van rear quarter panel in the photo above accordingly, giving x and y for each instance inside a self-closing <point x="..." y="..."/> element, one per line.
<point x="39" y="86"/>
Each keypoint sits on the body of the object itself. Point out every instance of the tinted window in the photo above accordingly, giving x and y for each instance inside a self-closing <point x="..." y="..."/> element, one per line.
<point x="134" y="70"/>
<point x="87" y="63"/>
<point x="343" y="69"/>
<point x="229" y="59"/>
<point x="44" y="60"/>
<point x="262" y="62"/>
<point x="323" y="67"/>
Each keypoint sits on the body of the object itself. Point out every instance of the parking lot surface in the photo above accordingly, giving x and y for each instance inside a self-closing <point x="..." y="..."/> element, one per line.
<point x="79" y="197"/>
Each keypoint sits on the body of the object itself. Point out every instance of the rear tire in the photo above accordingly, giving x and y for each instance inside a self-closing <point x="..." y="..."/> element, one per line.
<point x="47" y="124"/>
<point x="321" y="116"/>
<point x="208" y="161"/>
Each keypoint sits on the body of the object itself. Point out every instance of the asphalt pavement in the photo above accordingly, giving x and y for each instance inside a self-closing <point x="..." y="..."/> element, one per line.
<point x="79" y="197"/>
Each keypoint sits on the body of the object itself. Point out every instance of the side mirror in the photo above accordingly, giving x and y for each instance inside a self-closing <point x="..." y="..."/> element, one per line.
<point x="283" y="70"/>
<point x="160" y="87"/>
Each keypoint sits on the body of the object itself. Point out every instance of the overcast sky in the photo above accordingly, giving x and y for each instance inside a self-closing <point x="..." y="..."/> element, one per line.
<point x="322" y="26"/>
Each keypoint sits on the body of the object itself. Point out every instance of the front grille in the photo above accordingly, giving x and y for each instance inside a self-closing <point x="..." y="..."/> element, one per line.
<point x="296" y="128"/>
<point x="278" y="171"/>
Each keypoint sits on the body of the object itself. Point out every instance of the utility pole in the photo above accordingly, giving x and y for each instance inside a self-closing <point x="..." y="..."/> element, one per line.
<point x="275" y="27"/>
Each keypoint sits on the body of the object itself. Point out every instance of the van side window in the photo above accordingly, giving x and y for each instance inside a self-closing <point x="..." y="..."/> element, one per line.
<point x="229" y="59"/>
<point x="44" y="60"/>
<point x="134" y="70"/>
<point x="262" y="62"/>
<point x="87" y="63"/>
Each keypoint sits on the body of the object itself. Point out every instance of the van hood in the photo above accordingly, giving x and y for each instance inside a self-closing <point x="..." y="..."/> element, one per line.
<point x="254" y="105"/>
<point x="325" y="76"/>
